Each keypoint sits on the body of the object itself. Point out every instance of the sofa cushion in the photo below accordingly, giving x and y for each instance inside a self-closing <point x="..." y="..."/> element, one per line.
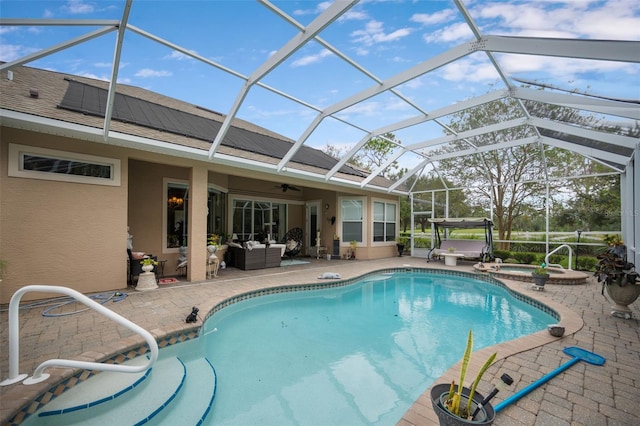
<point x="291" y="244"/>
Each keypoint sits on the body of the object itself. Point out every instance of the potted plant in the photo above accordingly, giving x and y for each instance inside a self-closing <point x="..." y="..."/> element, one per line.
<point x="540" y="275"/>
<point x="618" y="277"/>
<point x="401" y="242"/>
<point x="451" y="249"/>
<point x="353" y="244"/>
<point x="213" y="243"/>
<point x="148" y="263"/>
<point x="459" y="405"/>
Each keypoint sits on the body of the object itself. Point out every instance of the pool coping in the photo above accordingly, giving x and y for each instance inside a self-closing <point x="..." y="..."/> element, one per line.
<point x="420" y="412"/>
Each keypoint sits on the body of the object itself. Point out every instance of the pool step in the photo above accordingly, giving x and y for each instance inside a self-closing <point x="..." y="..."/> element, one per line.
<point x="137" y="405"/>
<point x="192" y="404"/>
<point x="175" y="385"/>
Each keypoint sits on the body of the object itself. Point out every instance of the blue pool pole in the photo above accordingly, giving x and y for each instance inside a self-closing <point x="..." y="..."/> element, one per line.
<point x="542" y="380"/>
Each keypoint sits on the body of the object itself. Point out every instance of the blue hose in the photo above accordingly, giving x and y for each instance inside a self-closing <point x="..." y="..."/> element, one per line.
<point x="101" y="297"/>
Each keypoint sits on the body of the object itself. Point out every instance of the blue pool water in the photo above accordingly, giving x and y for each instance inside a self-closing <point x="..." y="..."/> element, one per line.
<point x="354" y="355"/>
<point x="360" y="354"/>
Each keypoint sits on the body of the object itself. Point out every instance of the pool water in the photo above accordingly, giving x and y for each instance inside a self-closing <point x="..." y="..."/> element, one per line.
<point x="360" y="354"/>
<point x="527" y="269"/>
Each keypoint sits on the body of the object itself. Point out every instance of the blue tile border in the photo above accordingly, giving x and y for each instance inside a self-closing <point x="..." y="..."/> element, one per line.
<point x="341" y="283"/>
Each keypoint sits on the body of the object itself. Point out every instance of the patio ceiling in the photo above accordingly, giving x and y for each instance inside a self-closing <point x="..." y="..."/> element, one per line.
<point x="493" y="50"/>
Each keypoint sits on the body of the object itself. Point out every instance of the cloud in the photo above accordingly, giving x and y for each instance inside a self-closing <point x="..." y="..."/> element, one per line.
<point x="321" y="7"/>
<point x="311" y="59"/>
<point x="149" y="73"/>
<point x="451" y="34"/>
<point x="10" y="52"/>
<point x="469" y="70"/>
<point x="352" y="14"/>
<point x="373" y="33"/>
<point x="77" y="7"/>
<point x="7" y="30"/>
<point x="564" y="69"/>
<point x="613" y="19"/>
<point x="434" y="18"/>
<point x="179" y="56"/>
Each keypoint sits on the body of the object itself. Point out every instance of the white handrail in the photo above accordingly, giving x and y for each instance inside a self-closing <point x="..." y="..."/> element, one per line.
<point x="546" y="258"/>
<point x="38" y="375"/>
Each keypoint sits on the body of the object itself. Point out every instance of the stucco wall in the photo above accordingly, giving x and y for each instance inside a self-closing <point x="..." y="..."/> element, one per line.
<point x="75" y="234"/>
<point x="61" y="233"/>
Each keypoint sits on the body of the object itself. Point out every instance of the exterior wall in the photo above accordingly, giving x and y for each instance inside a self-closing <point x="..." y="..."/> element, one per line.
<point x="75" y="234"/>
<point x="146" y="205"/>
<point x="61" y="233"/>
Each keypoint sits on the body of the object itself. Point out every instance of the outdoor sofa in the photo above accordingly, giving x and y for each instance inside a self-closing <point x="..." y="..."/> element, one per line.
<point x="471" y="249"/>
<point x="253" y="255"/>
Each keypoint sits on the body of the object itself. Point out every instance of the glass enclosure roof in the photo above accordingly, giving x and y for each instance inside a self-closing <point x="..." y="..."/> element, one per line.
<point x="340" y="73"/>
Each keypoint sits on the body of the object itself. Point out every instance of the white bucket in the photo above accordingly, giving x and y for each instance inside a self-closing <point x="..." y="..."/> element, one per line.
<point x="328" y="257"/>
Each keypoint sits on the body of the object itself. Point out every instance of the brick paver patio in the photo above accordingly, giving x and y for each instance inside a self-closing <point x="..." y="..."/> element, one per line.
<point x="583" y="395"/>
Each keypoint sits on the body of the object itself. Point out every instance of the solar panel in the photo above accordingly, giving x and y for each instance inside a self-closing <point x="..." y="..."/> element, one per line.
<point x="92" y="100"/>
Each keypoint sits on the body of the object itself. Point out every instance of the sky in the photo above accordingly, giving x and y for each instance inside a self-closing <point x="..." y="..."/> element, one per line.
<point x="382" y="37"/>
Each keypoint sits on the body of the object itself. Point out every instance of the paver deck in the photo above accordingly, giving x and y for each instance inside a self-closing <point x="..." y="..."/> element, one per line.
<point x="582" y="395"/>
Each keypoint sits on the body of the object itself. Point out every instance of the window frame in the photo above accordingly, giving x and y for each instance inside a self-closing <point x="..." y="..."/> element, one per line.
<point x="384" y="221"/>
<point x="232" y="199"/>
<point x="363" y="221"/>
<point x="225" y="208"/>
<point x="165" y="217"/>
<point x="17" y="152"/>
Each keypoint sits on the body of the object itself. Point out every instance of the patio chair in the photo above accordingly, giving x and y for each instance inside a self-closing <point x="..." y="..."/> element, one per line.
<point x="293" y="242"/>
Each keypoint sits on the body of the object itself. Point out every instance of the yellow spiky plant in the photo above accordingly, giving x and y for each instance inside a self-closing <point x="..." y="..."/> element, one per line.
<point x="455" y="395"/>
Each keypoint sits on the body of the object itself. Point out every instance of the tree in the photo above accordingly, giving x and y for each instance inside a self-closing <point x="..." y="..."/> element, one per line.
<point x="372" y="155"/>
<point x="506" y="175"/>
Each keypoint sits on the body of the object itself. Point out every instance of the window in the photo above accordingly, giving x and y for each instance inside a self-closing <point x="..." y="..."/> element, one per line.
<point x="217" y="208"/>
<point x="177" y="196"/>
<point x="255" y="220"/>
<point x="352" y="217"/>
<point x="48" y="164"/>
<point x="384" y="221"/>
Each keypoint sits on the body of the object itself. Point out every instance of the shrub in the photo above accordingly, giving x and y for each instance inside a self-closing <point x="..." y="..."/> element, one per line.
<point x="525" y="257"/>
<point x="587" y="263"/>
<point x="422" y="243"/>
<point x="502" y="254"/>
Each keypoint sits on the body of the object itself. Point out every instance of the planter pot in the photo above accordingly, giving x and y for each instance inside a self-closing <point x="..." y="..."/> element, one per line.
<point x="439" y="393"/>
<point x="212" y="249"/>
<point x="540" y="280"/>
<point x="400" y="249"/>
<point x="622" y="296"/>
<point x="147" y="268"/>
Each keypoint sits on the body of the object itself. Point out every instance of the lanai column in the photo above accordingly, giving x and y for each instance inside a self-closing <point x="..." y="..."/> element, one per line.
<point x="197" y="256"/>
<point x="630" y="207"/>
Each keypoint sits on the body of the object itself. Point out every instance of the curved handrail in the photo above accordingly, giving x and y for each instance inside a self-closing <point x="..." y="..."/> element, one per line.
<point x="39" y="375"/>
<point x="546" y="258"/>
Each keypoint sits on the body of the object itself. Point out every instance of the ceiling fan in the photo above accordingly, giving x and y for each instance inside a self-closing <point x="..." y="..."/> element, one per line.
<point x="285" y="187"/>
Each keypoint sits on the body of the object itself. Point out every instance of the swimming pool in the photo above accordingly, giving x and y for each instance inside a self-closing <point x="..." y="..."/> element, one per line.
<point x="358" y="354"/>
<point x="361" y="353"/>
